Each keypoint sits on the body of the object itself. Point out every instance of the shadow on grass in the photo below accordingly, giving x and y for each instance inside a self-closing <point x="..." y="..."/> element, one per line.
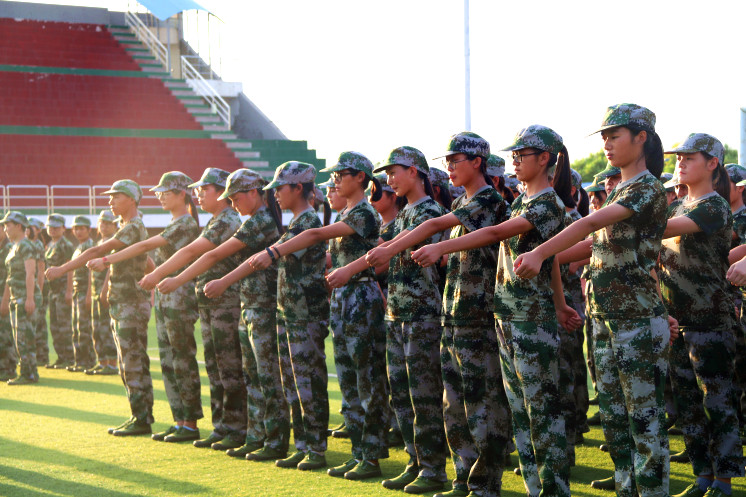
<point x="61" y="412"/>
<point x="95" y="386"/>
<point x="12" y="449"/>
<point x="48" y="484"/>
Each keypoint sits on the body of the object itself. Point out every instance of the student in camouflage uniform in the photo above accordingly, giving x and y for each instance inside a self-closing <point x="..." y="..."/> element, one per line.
<point x="21" y="296"/>
<point x="81" y="317"/>
<point x="219" y="318"/>
<point x="475" y="408"/>
<point x="59" y="251"/>
<point x="103" y="337"/>
<point x="130" y="305"/>
<point x="8" y="358"/>
<point x="413" y="329"/>
<point x="693" y="263"/>
<point x="630" y="324"/>
<point x="268" y="426"/>
<point x="175" y="314"/>
<point x="34" y="234"/>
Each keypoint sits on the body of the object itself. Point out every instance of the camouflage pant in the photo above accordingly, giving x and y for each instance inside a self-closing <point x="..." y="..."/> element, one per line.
<point x="475" y="409"/>
<point x="530" y="365"/>
<point x="8" y="357"/>
<point x="82" y="332"/>
<point x="25" y="338"/>
<point x="359" y="339"/>
<point x="567" y="388"/>
<point x="60" y="326"/>
<point x="580" y="375"/>
<point x="740" y="364"/>
<point x="414" y="347"/>
<point x="129" y="320"/>
<point x="304" y="380"/>
<point x="268" y="415"/>
<point x="41" y="331"/>
<point x="223" y="365"/>
<point x="702" y="373"/>
<point x="174" y="326"/>
<point x="103" y="337"/>
<point x="631" y="361"/>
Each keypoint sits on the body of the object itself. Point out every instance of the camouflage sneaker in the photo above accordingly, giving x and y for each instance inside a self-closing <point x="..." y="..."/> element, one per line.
<point x="682" y="456"/>
<point x="715" y="492"/>
<point x="593" y="401"/>
<point x="126" y="423"/>
<point x="423" y="485"/>
<point x="75" y="368"/>
<point x="339" y="471"/>
<point x="182" y="435"/>
<point x="603" y="447"/>
<point x="245" y="449"/>
<point x="692" y="490"/>
<point x="92" y="371"/>
<point x="133" y="429"/>
<point x="394" y="439"/>
<point x="605" y="484"/>
<point x="595" y="420"/>
<point x="10" y="375"/>
<point x="158" y="437"/>
<point x="207" y="442"/>
<point x="230" y="441"/>
<point x="455" y="492"/>
<point x="332" y="430"/>
<point x="53" y="365"/>
<point x="62" y="365"/>
<point x="341" y="433"/>
<point x="267" y="454"/>
<point x="107" y="371"/>
<point x="312" y="461"/>
<point x="292" y="461"/>
<point x="23" y="380"/>
<point x="408" y="476"/>
<point x="363" y="471"/>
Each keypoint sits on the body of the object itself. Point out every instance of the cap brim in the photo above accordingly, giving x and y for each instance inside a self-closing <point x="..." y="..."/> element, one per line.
<point x="334" y="168"/>
<point x="681" y="150"/>
<point x="446" y="154"/>
<point x="272" y="184"/>
<point x="199" y="183"/>
<point x="382" y="168"/>
<point x="225" y="195"/>
<point x="55" y="225"/>
<point x="741" y="183"/>
<point x="604" y="128"/>
<point x="110" y="192"/>
<point x="159" y="189"/>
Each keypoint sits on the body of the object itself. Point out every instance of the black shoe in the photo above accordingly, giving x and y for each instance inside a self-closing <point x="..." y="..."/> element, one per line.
<point x="682" y="457"/>
<point x="517" y="471"/>
<point x="329" y="431"/>
<point x="394" y="439"/>
<point x="341" y="433"/>
<point x="595" y="420"/>
<point x="605" y="484"/>
<point x="675" y="431"/>
<point x="603" y="448"/>
<point x="593" y="401"/>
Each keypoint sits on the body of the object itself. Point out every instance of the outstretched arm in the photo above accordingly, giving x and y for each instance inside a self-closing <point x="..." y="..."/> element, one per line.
<point x="215" y="288"/>
<point x="133" y="250"/>
<point x="567" y="317"/>
<point x="680" y="225"/>
<point x="383" y="254"/>
<point x="181" y="258"/>
<point x="96" y="251"/>
<point x="205" y="262"/>
<point x="578" y="252"/>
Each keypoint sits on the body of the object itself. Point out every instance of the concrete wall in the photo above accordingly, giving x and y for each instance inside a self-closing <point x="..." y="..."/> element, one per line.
<point x="60" y="13"/>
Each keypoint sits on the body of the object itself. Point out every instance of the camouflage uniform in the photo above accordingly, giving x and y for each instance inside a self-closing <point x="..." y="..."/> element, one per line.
<point x="8" y="358"/>
<point x="81" y="316"/>
<point x="737" y="175"/>
<point x="475" y="409"/>
<point x="60" y="312"/>
<point x="103" y="337"/>
<point x="40" y="325"/>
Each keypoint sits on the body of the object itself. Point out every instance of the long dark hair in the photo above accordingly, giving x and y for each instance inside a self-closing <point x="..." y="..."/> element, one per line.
<point x="584" y="204"/>
<point x="308" y="190"/>
<point x="562" y="179"/>
<point x="720" y="178"/>
<point x="653" y="149"/>
<point x="273" y="207"/>
<point x="189" y="201"/>
<point x="428" y="186"/>
<point x="376" y="190"/>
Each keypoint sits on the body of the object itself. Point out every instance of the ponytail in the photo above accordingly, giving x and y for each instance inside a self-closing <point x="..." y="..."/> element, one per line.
<point x="653" y="149"/>
<point x="428" y="186"/>
<point x="507" y="193"/>
<point x="327" y="211"/>
<point x="720" y="178"/>
<point x="562" y="180"/>
<point x="377" y="190"/>
<point x="274" y="209"/>
<point x="584" y="204"/>
<point x="189" y="201"/>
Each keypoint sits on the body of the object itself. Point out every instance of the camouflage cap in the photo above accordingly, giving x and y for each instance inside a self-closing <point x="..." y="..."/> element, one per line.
<point x="107" y="216"/>
<point x="736" y="172"/>
<point x="329" y="184"/>
<point x="242" y="180"/>
<point x="438" y="177"/>
<point x="407" y="157"/>
<point x="456" y="191"/>
<point x="608" y="172"/>
<point x="665" y="177"/>
<point x="625" y="114"/>
<point x="538" y="137"/>
<point x="671" y="183"/>
<point x="596" y="186"/>
<point x="512" y="182"/>
<point x="15" y="217"/>
<point x="81" y="221"/>
<point x="291" y="173"/>
<point x="575" y="179"/>
<point x="700" y="142"/>
<point x="468" y="143"/>
<point x="172" y="180"/>
<point x="211" y="176"/>
<point x="495" y="166"/>
<point x="36" y="223"/>
<point x="126" y="186"/>
<point x="351" y="160"/>
<point x="383" y="180"/>
<point x="56" y="221"/>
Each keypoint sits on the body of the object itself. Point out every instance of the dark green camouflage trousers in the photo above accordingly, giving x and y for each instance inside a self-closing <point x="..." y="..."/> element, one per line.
<point x="60" y="326"/>
<point x="413" y="347"/>
<point x="304" y="380"/>
<point x="24" y="336"/>
<point x="129" y="320"/>
<point x="475" y="409"/>
<point x="359" y="339"/>
<point x="631" y="361"/>
<point x="739" y="364"/>
<point x="529" y="354"/>
<point x="103" y="337"/>
<point x="8" y="357"/>
<point x="567" y="389"/>
<point x="82" y="332"/>
<point x="174" y="325"/>
<point x="580" y="374"/>
<point x="702" y="373"/>
<point x="223" y="364"/>
<point x="268" y="414"/>
<point x="42" y="332"/>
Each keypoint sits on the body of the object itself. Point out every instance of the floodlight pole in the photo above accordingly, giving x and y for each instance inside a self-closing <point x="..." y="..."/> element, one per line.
<point x="467" y="68"/>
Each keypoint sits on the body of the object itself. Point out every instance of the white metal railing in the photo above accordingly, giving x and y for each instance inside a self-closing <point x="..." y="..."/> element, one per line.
<point x="86" y="199"/>
<point x="194" y="79"/>
<point x="5" y="198"/>
<point x="145" y="35"/>
<point x="27" y="198"/>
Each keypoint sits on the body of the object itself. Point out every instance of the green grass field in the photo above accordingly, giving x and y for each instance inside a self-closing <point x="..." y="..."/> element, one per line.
<point x="53" y="442"/>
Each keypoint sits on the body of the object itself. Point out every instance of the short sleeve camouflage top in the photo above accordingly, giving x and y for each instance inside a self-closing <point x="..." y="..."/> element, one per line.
<point x="624" y="253"/>
<point x="259" y="289"/>
<point x="470" y="274"/>
<point x="179" y="233"/>
<point x="39" y="247"/>
<point x="520" y="299"/>
<point x="413" y="290"/>
<point x="124" y="275"/>
<point x="57" y="254"/>
<point x="217" y="230"/>
<point x="739" y="226"/>
<point x="301" y="288"/>
<point x="388" y="231"/>
<point x="573" y="285"/>
<point x="363" y="220"/>
<point x="81" y="275"/>
<point x="5" y="246"/>
<point x="98" y="278"/>
<point x="693" y="266"/>
<point x="15" y="265"/>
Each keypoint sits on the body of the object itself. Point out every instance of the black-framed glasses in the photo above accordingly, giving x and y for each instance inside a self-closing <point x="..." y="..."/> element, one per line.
<point x="449" y="165"/>
<point x="338" y="175"/>
<point x="519" y="157"/>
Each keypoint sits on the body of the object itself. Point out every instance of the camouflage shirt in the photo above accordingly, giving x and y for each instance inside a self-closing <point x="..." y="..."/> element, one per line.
<point x="386" y="234"/>
<point x="739" y="226"/>
<point x="625" y="253"/>
<point x="470" y="274"/>
<point x="519" y="299"/>
<point x="57" y="254"/>
<point x="98" y="278"/>
<point x="693" y="266"/>
<point x="363" y="220"/>
<point x="573" y="286"/>
<point x="217" y="230"/>
<point x="301" y="288"/>
<point x="413" y="290"/>
<point x="124" y="275"/>
<point x="5" y="246"/>
<point x="81" y="275"/>
<point x="179" y="233"/>
<point x="259" y="289"/>
<point x="39" y="250"/>
<point x="15" y="266"/>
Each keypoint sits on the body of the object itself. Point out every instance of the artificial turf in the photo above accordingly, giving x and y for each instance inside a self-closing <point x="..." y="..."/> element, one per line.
<point x="53" y="442"/>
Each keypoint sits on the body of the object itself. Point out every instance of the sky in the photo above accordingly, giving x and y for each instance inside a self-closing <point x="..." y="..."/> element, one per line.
<point x="372" y="76"/>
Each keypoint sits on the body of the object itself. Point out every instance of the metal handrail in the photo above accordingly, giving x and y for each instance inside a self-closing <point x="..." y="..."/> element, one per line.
<point x="88" y="196"/>
<point x="194" y="79"/>
<point x="5" y="198"/>
<point x="47" y="205"/>
<point x="145" y="35"/>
